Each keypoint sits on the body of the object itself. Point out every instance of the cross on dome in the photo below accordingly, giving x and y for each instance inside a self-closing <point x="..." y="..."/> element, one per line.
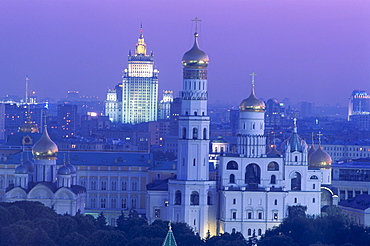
<point x="196" y="24"/>
<point x="253" y="74"/>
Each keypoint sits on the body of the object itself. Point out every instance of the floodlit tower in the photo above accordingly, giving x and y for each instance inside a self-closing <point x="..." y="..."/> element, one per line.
<point x="139" y="86"/>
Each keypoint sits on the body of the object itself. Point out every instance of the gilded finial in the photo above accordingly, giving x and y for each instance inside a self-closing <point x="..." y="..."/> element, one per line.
<point x="320" y="134"/>
<point x="312" y="136"/>
<point x="295" y="122"/>
<point x="169" y="226"/>
<point x="196" y="25"/>
<point x="253" y="74"/>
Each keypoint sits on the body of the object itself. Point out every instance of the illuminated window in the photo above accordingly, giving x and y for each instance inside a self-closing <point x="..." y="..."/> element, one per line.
<point x="157" y="213"/>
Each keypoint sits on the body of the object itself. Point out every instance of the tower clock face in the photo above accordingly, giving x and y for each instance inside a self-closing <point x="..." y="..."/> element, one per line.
<point x="27" y="140"/>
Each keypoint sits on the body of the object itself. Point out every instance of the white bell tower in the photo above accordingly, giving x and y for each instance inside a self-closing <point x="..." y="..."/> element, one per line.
<point x="192" y="196"/>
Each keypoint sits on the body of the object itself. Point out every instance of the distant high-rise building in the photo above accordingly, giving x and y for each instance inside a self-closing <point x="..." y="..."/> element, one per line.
<point x="140" y="86"/>
<point x="359" y="103"/>
<point x="274" y="114"/>
<point x="164" y="106"/>
<point x="113" y="104"/>
<point x="67" y="119"/>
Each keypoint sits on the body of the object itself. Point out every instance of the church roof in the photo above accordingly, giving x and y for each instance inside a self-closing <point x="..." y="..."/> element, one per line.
<point x="361" y="202"/>
<point x="170" y="238"/>
<point x="51" y="185"/>
<point x="161" y="184"/>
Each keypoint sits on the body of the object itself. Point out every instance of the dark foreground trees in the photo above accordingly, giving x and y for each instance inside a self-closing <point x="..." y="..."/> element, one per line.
<point x="31" y="223"/>
<point x="332" y="229"/>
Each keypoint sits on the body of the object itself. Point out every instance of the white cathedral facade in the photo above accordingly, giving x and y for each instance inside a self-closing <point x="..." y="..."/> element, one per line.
<point x="41" y="180"/>
<point x="254" y="187"/>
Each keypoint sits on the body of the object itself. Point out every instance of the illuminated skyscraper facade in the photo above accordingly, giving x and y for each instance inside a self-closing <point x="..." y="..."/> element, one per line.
<point x="139" y="86"/>
<point x="359" y="103"/>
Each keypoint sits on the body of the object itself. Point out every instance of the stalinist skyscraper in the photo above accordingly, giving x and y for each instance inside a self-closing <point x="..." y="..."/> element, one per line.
<point x="140" y="86"/>
<point x="135" y="100"/>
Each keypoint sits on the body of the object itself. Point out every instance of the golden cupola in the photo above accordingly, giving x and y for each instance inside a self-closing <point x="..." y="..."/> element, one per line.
<point x="319" y="159"/>
<point x="195" y="57"/>
<point x="45" y="148"/>
<point x="252" y="103"/>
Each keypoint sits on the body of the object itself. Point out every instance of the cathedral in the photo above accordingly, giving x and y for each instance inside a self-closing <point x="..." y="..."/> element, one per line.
<point x="41" y="181"/>
<point x="253" y="187"/>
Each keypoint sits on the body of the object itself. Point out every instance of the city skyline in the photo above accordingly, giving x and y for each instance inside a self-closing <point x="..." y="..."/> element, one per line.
<point x="307" y="51"/>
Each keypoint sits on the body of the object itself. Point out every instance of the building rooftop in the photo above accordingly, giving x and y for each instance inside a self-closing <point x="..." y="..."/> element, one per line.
<point x="361" y="202"/>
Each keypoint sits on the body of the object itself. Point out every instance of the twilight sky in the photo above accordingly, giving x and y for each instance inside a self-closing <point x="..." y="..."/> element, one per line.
<point x="316" y="51"/>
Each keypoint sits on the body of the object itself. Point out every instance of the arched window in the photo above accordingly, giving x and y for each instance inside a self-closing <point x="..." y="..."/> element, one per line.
<point x="314" y="177"/>
<point x="209" y="198"/>
<point x="253" y="174"/>
<point x="195" y="133"/>
<point x="273" y="166"/>
<point x="178" y="197"/>
<point x="186" y="113"/>
<point x="184" y="133"/>
<point x="249" y="232"/>
<point x="273" y="179"/>
<point x="295" y="158"/>
<point x="259" y="232"/>
<point x="232" y="179"/>
<point x="232" y="165"/>
<point x="194" y="198"/>
<point x="195" y="113"/>
<point x="194" y="162"/>
<point x="295" y="180"/>
<point x="205" y="133"/>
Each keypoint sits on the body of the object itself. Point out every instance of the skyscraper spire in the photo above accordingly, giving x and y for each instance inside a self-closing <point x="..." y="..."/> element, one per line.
<point x="27" y="89"/>
<point x="141" y="46"/>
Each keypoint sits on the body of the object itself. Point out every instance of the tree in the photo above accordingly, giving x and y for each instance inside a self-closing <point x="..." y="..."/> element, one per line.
<point x="297" y="211"/>
<point x="102" y="221"/>
<point x="74" y="239"/>
<point x="277" y="241"/>
<point x="107" y="238"/>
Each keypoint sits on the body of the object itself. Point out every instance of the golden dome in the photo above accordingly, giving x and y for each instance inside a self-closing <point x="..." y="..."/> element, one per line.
<point x="45" y="148"/>
<point x="252" y="103"/>
<point x="195" y="57"/>
<point x="320" y="159"/>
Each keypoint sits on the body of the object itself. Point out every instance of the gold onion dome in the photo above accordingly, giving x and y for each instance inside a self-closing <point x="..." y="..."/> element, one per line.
<point x="320" y="159"/>
<point x="252" y="103"/>
<point x="45" y="148"/>
<point x="195" y="57"/>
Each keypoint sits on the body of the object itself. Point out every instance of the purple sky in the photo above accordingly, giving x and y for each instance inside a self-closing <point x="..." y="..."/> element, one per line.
<point x="316" y="51"/>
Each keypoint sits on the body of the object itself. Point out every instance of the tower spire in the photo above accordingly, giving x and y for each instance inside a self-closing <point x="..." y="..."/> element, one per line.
<point x="27" y="89"/>
<point x="253" y="75"/>
<point x="141" y="46"/>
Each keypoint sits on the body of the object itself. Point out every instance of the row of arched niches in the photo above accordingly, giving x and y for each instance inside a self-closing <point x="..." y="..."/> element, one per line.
<point x="252" y="175"/>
